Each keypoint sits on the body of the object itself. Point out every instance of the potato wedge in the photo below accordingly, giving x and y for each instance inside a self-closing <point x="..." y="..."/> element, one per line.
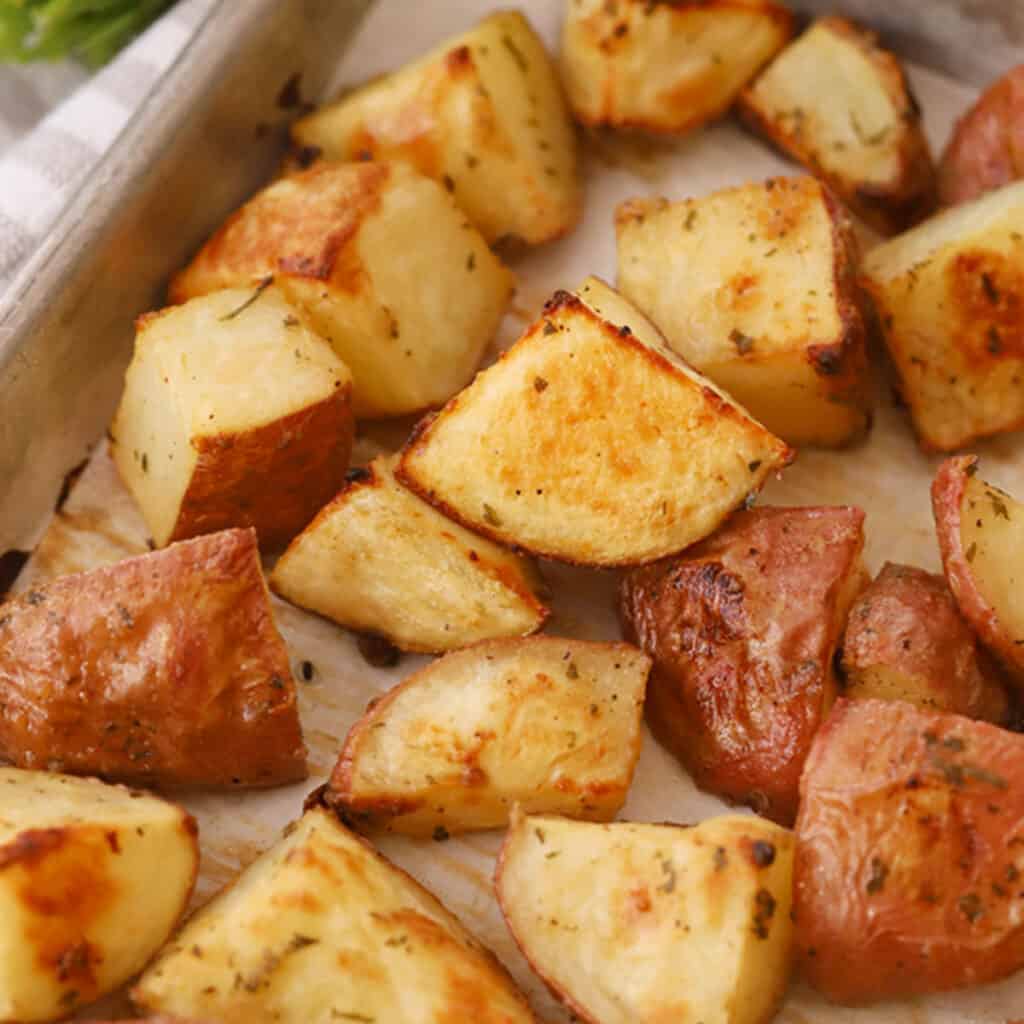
<point x="949" y="295"/>
<point x="266" y="452"/>
<point x="981" y="537"/>
<point x="483" y="114"/>
<point x="986" y="149"/>
<point x="838" y="103"/>
<point x="742" y="630"/>
<point x="162" y="669"/>
<point x="93" y="879"/>
<point x="665" y="67"/>
<point x="547" y="723"/>
<point x="590" y="441"/>
<point x="906" y="640"/>
<point x="910" y="850"/>
<point x="321" y="929"/>
<point x="374" y="257"/>
<point x="756" y="286"/>
<point x="380" y="559"/>
<point x="629" y="923"/>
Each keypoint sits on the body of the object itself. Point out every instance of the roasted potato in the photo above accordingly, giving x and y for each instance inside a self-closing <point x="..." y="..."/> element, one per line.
<point x="590" y="441"/>
<point x="665" y="67"/>
<point x="981" y="537"/>
<point x="757" y="287"/>
<point x="986" y="149"/>
<point x="381" y="560"/>
<point x="909" y="853"/>
<point x="483" y="114"/>
<point x="162" y="669"/>
<point x="266" y="452"/>
<point x="629" y="923"/>
<point x="551" y="724"/>
<point x="742" y="630"/>
<point x="906" y="640"/>
<point x="949" y="296"/>
<point x="93" y="879"/>
<point x="838" y="103"/>
<point x="374" y="257"/>
<point x="323" y="929"/>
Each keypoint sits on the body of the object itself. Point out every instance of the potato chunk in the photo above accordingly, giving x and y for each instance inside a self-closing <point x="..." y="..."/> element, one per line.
<point x="742" y="630"/>
<point x="949" y="296"/>
<point x="665" y="67"/>
<point x="551" y="724"/>
<point x="910" y="850"/>
<point x="484" y="114"/>
<point x="93" y="879"/>
<point x="906" y="640"/>
<point x="838" y="103"/>
<point x="756" y="286"/>
<point x="322" y="929"/>
<point x="590" y="441"/>
<point x="162" y="669"/>
<point x="629" y="923"/>
<point x="378" y="260"/>
<point x="267" y="451"/>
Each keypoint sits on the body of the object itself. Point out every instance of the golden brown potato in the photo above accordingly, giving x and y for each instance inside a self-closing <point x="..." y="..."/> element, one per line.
<point x="483" y="114"/>
<point x="949" y="296"/>
<point x="838" y="103"/>
<point x="757" y="287"/>
<point x="374" y="257"/>
<point x="93" y="879"/>
<point x="986" y="149"/>
<point x="910" y="852"/>
<point x="547" y="723"/>
<point x="665" y="67"/>
<point x="590" y="441"/>
<point x="162" y="669"/>
<point x="906" y="640"/>
<point x="742" y="630"/>
<point x="322" y="928"/>
<point x="628" y="923"/>
<point x="267" y="451"/>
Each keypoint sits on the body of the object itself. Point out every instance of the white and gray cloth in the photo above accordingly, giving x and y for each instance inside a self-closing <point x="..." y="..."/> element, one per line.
<point x="44" y="156"/>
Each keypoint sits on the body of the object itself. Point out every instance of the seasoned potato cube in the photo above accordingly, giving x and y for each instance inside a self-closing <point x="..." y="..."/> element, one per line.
<point x="949" y="296"/>
<point x="267" y="451"/>
<point x="551" y="724"/>
<point x="162" y="669"/>
<point x="910" y="850"/>
<point x="322" y="929"/>
<point x="380" y="559"/>
<point x="93" y="879"/>
<point x="378" y="260"/>
<point x="665" y="67"/>
<point x="839" y="104"/>
<point x="756" y="286"/>
<point x="629" y="923"/>
<point x="742" y="630"/>
<point x="906" y="640"/>
<point x="483" y="114"/>
<point x="591" y="441"/>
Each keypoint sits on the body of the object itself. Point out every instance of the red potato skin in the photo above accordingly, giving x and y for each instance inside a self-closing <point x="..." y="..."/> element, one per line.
<point x="166" y="669"/>
<point x="910" y="853"/>
<point x="742" y="629"/>
<point x="986" y="149"/>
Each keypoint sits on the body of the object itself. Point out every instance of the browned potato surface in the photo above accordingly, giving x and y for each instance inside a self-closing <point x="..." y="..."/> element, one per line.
<point x="910" y="853"/>
<point x="742" y="629"/>
<point x="161" y="669"/>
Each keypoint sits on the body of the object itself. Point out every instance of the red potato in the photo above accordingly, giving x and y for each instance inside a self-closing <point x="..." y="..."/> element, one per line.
<point x="742" y="629"/>
<point x="910" y="853"/>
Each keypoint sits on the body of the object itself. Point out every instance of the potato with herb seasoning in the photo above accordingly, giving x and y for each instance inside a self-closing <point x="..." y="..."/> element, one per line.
<point x="628" y="922"/>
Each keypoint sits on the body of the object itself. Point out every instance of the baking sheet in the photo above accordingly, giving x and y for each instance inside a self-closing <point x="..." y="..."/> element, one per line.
<point x="886" y="475"/>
